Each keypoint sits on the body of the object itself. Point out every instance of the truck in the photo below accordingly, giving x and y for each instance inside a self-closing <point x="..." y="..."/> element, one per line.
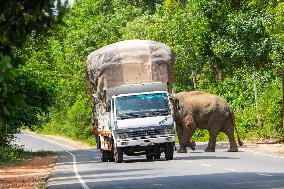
<point x="130" y="83"/>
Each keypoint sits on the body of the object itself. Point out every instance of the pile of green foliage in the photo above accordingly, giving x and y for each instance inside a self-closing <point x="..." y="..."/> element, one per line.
<point x="230" y="48"/>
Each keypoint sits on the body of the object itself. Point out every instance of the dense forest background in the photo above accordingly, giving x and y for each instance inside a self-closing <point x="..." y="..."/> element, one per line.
<point x="232" y="48"/>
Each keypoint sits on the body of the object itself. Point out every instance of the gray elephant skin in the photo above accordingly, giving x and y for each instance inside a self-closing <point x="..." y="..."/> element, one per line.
<point x="201" y="110"/>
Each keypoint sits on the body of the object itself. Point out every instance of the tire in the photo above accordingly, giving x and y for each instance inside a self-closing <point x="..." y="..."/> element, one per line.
<point x="111" y="156"/>
<point x="157" y="154"/>
<point x="118" y="155"/>
<point x="98" y="142"/>
<point x="104" y="155"/>
<point x="169" y="152"/>
<point x="149" y="156"/>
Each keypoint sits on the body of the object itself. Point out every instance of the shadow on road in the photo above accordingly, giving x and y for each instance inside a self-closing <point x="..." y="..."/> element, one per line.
<point x="112" y="175"/>
<point x="202" y="181"/>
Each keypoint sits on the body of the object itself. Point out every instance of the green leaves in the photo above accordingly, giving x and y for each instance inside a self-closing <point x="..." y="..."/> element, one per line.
<point x="218" y="44"/>
<point x="22" y="98"/>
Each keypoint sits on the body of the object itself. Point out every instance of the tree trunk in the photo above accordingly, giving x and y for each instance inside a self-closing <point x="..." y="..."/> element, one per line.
<point x="282" y="73"/>
<point x="194" y="80"/>
<point x="256" y="102"/>
<point x="218" y="73"/>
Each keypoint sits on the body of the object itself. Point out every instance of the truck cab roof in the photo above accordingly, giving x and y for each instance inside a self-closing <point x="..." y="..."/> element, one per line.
<point x="132" y="89"/>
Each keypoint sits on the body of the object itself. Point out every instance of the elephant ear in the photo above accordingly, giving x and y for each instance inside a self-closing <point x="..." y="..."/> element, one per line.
<point x="175" y="102"/>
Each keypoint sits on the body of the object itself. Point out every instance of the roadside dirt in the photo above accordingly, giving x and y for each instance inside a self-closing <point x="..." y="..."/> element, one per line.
<point x="30" y="174"/>
<point x="33" y="173"/>
<point x="269" y="146"/>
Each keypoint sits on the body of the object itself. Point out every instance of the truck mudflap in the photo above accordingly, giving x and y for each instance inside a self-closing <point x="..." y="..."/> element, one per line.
<point x="144" y="141"/>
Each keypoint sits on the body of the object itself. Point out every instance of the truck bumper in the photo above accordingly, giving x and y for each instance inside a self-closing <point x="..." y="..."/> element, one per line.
<point x="145" y="142"/>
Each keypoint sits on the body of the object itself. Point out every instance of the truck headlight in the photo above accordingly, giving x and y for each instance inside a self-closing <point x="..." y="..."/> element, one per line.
<point x="122" y="135"/>
<point x="169" y="131"/>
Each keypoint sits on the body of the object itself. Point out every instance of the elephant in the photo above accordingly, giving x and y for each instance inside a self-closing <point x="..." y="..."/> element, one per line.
<point x="197" y="109"/>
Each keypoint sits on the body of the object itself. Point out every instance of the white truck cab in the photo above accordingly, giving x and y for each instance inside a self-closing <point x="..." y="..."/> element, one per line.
<point x="140" y="122"/>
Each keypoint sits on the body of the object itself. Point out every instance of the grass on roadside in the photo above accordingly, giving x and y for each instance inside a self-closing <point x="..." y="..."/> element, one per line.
<point x="90" y="140"/>
<point x="14" y="154"/>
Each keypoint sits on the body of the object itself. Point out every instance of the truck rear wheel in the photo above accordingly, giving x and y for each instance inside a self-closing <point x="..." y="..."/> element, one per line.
<point x="169" y="152"/>
<point x="111" y="156"/>
<point x="98" y="142"/>
<point x="107" y="155"/>
<point x="118" y="155"/>
<point x="104" y="155"/>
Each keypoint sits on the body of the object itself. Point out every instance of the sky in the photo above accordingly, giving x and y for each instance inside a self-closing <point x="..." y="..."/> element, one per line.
<point x="70" y="2"/>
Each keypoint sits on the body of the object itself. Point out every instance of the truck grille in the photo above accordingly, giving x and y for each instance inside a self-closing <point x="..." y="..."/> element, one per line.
<point x="144" y="133"/>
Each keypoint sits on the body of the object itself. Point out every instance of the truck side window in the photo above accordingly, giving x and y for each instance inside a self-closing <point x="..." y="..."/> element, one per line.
<point x="112" y="104"/>
<point x="108" y="106"/>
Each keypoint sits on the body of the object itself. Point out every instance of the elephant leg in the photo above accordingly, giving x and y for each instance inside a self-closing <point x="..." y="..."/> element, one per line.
<point x="179" y="131"/>
<point x="213" y="132"/>
<point x="192" y="145"/>
<point x="187" y="134"/>
<point x="233" y="144"/>
<point x="212" y="142"/>
<point x="188" y="131"/>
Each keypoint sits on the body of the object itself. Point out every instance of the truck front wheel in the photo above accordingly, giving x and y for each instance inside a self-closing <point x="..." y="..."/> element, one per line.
<point x="118" y="155"/>
<point x="149" y="156"/>
<point x="169" y="152"/>
<point x="157" y="154"/>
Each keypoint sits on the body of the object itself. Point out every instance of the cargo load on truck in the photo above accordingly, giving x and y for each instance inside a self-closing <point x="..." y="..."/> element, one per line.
<point x="130" y="62"/>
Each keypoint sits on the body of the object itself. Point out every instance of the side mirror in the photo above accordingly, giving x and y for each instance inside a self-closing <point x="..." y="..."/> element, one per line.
<point x="108" y="106"/>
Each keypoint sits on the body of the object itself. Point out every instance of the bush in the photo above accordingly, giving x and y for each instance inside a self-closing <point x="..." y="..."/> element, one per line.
<point x="11" y="154"/>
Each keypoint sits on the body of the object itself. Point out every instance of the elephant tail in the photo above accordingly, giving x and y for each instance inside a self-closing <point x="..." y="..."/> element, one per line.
<point x="233" y="122"/>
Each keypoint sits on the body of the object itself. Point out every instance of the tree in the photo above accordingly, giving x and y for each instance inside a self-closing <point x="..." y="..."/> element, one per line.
<point x="21" y="98"/>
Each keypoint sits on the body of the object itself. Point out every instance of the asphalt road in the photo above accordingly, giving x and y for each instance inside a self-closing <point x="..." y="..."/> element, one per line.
<point x="198" y="169"/>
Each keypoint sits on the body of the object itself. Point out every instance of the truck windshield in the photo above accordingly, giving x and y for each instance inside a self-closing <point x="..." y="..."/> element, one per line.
<point x="142" y="105"/>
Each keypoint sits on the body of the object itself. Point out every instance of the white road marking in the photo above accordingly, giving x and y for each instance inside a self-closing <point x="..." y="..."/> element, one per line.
<point x="157" y="184"/>
<point x="189" y="161"/>
<point x="204" y="164"/>
<point x="270" y="155"/>
<point x="228" y="169"/>
<point x="83" y="183"/>
<point x="262" y="174"/>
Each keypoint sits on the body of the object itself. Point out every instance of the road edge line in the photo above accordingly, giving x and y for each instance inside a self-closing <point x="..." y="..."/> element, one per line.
<point x="82" y="182"/>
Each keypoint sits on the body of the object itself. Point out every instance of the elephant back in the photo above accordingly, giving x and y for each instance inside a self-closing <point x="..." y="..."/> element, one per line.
<point x="201" y="106"/>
